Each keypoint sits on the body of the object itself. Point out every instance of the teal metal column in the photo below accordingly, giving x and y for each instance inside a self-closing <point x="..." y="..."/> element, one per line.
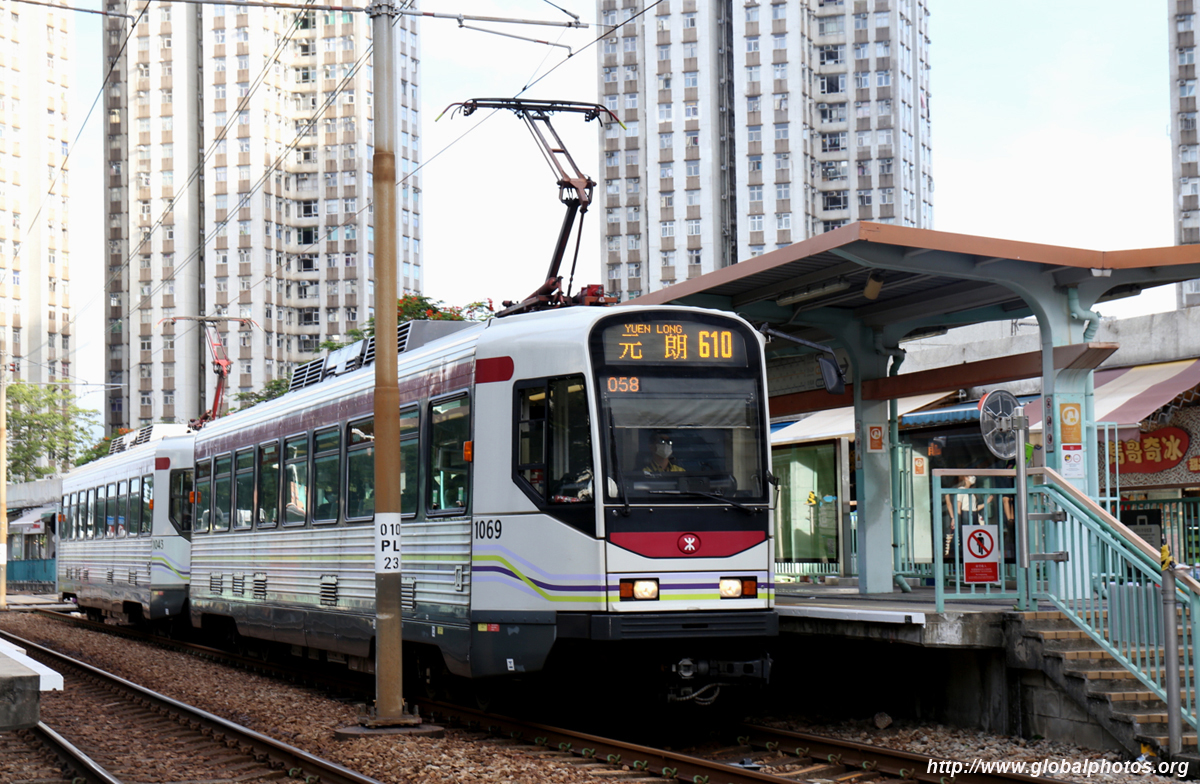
<point x="1067" y="402"/>
<point x="873" y="466"/>
<point x="874" y="479"/>
<point x="872" y="469"/>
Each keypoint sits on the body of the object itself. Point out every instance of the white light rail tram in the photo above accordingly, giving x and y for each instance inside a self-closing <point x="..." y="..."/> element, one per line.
<point x="120" y="553"/>
<point x="581" y="487"/>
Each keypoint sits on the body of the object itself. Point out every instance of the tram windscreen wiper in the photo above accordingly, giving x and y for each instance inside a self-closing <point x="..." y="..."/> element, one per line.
<point x="612" y="440"/>
<point x="705" y="494"/>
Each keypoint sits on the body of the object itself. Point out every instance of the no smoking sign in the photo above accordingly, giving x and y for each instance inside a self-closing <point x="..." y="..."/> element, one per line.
<point x="981" y="554"/>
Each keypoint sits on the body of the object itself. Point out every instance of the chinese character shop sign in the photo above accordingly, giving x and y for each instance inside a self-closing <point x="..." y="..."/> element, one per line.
<point x="1151" y="452"/>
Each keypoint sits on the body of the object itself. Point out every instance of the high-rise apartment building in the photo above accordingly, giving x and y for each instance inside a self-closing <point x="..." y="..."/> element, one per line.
<point x="748" y="127"/>
<point x="35" y="94"/>
<point x="1185" y="156"/>
<point x="240" y="144"/>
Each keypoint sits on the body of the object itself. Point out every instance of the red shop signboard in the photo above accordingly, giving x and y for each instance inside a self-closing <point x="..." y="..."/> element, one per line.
<point x="1152" y="452"/>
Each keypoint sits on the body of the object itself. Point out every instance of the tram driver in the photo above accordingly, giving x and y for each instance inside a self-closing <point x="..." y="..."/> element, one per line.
<point x="661" y="455"/>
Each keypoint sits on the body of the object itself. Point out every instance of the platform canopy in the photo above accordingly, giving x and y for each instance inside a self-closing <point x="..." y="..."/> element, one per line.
<point x="925" y="282"/>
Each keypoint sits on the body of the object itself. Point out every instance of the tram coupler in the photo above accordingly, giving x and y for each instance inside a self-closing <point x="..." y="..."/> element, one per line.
<point x="688" y="669"/>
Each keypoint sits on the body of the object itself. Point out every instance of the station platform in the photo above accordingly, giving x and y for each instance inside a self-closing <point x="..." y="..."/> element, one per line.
<point x="22" y="680"/>
<point x="841" y="611"/>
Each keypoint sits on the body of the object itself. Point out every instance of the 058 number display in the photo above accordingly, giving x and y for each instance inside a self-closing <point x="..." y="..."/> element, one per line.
<point x="624" y="384"/>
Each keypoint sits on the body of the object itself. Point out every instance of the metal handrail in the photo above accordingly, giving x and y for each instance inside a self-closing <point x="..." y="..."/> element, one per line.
<point x="1109" y="585"/>
<point x="1113" y="592"/>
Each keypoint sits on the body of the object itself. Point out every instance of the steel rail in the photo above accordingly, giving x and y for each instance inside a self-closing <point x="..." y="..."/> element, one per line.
<point x="668" y="764"/>
<point x="889" y="763"/>
<point x="261" y="666"/>
<point x="88" y="770"/>
<point x="295" y="761"/>
<point x="893" y="762"/>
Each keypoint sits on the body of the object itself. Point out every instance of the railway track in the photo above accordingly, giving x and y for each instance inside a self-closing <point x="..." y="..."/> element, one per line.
<point x="760" y="754"/>
<point x="43" y="756"/>
<point x="302" y="673"/>
<point x="133" y="733"/>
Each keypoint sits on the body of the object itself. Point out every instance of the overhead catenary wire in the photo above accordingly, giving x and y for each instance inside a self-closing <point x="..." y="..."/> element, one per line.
<point x="319" y="112"/>
<point x="73" y="8"/>
<point x="292" y="146"/>
<point x="223" y="135"/>
<point x="192" y="177"/>
<point x="33" y="222"/>
<point x="220" y="136"/>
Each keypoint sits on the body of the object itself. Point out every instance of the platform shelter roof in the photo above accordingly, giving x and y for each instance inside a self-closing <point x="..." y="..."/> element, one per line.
<point x="926" y="275"/>
<point x="902" y="283"/>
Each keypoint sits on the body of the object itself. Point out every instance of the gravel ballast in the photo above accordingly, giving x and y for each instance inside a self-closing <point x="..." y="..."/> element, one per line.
<point x="307" y="720"/>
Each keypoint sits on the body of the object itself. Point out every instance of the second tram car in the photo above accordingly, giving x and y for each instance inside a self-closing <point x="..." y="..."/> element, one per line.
<point x="119" y="552"/>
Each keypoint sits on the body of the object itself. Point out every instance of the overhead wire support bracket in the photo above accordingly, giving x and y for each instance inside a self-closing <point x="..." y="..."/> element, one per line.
<point x="518" y="37"/>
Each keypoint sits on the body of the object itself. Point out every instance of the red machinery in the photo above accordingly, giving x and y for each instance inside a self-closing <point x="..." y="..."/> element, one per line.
<point x="221" y="360"/>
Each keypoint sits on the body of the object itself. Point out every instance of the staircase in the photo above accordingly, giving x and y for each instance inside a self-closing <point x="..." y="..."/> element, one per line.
<point x="1097" y="682"/>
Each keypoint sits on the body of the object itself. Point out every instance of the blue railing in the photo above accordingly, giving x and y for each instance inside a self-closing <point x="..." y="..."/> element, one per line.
<point x="971" y="505"/>
<point x="39" y="570"/>
<point x="1112" y="588"/>
<point x="1095" y="571"/>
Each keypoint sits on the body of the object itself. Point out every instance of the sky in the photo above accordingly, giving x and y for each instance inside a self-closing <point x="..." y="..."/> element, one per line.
<point x="1051" y="124"/>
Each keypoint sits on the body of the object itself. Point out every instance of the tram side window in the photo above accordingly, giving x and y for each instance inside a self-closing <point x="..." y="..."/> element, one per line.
<point x="179" y="498"/>
<point x="554" y="440"/>
<point x="123" y="509"/>
<point x="327" y="464"/>
<point x="101" y="512"/>
<point x="449" y="477"/>
<point x="64" y="528"/>
<point x="222" y="496"/>
<point x="135" y="507"/>
<point x="531" y="438"/>
<point x="295" y="493"/>
<point x="148" y="504"/>
<point x="410" y="457"/>
<point x="243" y="489"/>
<point x="89" y="513"/>
<point x="202" y="500"/>
<point x="110" y="511"/>
<point x="268" y="485"/>
<point x="360" y="469"/>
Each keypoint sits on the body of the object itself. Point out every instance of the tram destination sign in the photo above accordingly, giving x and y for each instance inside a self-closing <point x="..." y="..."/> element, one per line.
<point x="664" y="342"/>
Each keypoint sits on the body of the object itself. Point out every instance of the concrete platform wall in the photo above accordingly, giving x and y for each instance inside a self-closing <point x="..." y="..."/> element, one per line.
<point x="841" y="678"/>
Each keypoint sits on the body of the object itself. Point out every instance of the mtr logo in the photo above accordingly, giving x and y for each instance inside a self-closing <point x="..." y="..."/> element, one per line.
<point x="689" y="544"/>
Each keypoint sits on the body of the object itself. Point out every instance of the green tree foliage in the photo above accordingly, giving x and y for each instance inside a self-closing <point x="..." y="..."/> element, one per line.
<point x="415" y="307"/>
<point x="271" y="390"/>
<point x="44" y="422"/>
<point x="100" y="448"/>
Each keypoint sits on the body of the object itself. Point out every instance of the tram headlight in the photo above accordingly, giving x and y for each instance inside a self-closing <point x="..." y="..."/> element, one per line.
<point x="645" y="589"/>
<point x="731" y="587"/>
<point x="739" y="587"/>
<point x="641" y="590"/>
